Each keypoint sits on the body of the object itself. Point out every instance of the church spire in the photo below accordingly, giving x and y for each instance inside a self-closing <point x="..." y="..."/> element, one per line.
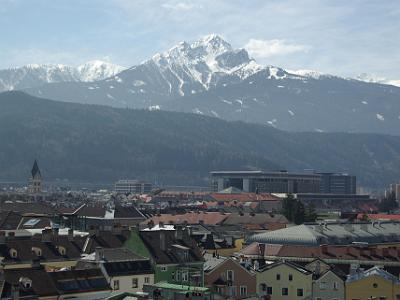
<point x="35" y="170"/>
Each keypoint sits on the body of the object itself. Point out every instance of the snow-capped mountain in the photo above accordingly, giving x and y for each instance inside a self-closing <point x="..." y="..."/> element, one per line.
<point x="34" y="75"/>
<point x="210" y="77"/>
<point x="377" y="79"/>
<point x="97" y="70"/>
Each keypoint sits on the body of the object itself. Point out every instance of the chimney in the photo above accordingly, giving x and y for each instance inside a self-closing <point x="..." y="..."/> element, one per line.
<point x="163" y="246"/>
<point x="261" y="249"/>
<point x="15" y="291"/>
<point x="2" y="237"/>
<point x="187" y="232"/>
<point x="178" y="232"/>
<point x="99" y="254"/>
<point x="324" y="249"/>
<point x="46" y="235"/>
<point x="55" y="232"/>
<point x="70" y="235"/>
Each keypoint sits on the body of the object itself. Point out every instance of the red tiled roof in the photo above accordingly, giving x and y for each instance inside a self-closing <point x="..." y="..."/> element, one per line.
<point x="380" y="217"/>
<point x="370" y="253"/>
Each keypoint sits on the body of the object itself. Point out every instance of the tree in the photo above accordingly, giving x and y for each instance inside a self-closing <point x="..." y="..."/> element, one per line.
<point x="388" y="203"/>
<point x="293" y="210"/>
<point x="311" y="214"/>
<point x="288" y="207"/>
<point x="299" y="213"/>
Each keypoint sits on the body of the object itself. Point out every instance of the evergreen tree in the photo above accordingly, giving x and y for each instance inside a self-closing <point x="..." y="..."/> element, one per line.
<point x="388" y="203"/>
<point x="298" y="213"/>
<point x="311" y="214"/>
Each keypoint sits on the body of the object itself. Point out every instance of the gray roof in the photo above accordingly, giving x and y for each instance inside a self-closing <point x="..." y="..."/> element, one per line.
<point x="331" y="233"/>
<point x="211" y="261"/>
<point x="371" y="272"/>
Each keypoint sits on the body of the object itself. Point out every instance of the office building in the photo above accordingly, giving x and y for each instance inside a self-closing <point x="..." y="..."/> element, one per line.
<point x="266" y="182"/>
<point x="337" y="183"/>
<point x="284" y="182"/>
<point x="132" y="186"/>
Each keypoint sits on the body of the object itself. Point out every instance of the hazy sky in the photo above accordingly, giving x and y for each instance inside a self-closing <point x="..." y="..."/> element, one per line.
<point x="338" y="37"/>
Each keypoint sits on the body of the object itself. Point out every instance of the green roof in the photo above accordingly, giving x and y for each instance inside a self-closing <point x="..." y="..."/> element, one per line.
<point x="179" y="287"/>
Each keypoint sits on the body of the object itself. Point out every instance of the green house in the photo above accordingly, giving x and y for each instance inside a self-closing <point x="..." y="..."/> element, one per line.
<point x="176" y="257"/>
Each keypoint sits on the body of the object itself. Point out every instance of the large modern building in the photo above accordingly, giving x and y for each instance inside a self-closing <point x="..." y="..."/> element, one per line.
<point x="337" y="183"/>
<point x="132" y="186"/>
<point x="284" y="182"/>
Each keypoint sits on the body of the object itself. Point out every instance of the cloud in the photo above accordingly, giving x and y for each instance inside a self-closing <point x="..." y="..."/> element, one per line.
<point x="180" y="6"/>
<point x="275" y="47"/>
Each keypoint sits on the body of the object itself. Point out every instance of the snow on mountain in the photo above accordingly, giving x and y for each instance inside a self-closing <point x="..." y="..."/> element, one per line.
<point x="377" y="79"/>
<point x="210" y="77"/>
<point x="33" y="75"/>
<point x="307" y="73"/>
<point x="204" y="60"/>
<point x="97" y="70"/>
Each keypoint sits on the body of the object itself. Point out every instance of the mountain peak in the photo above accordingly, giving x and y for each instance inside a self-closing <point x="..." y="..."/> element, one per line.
<point x="213" y="43"/>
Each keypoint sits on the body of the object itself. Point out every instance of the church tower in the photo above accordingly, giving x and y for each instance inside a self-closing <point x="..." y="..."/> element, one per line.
<point x="35" y="181"/>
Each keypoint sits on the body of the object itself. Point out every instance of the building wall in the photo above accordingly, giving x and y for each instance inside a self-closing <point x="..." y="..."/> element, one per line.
<point x="174" y="274"/>
<point x="328" y="287"/>
<point x="241" y="277"/>
<point x="86" y="296"/>
<point x="370" y="287"/>
<point x="300" y="281"/>
<point x="230" y="251"/>
<point x="125" y="283"/>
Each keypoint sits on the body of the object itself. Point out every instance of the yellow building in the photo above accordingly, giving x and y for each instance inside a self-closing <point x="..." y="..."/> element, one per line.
<point x="373" y="283"/>
<point x="284" y="280"/>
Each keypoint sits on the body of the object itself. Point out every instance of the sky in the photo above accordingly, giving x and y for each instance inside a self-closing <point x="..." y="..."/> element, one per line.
<point x="344" y="38"/>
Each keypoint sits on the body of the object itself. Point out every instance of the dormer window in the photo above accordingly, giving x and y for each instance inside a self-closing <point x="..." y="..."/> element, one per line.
<point x="62" y="250"/>
<point x="25" y="282"/>
<point x="37" y="251"/>
<point x="13" y="253"/>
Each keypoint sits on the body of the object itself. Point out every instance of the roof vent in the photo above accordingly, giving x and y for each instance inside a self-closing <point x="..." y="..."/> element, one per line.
<point x="25" y="282"/>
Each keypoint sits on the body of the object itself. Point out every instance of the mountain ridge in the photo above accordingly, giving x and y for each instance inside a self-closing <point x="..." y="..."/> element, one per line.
<point x="91" y="143"/>
<point x="32" y="75"/>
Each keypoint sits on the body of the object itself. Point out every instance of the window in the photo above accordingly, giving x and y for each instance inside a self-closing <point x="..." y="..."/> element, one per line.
<point x="269" y="290"/>
<point x="229" y="275"/>
<point x="300" y="293"/>
<point x="263" y="287"/>
<point x="335" y="285"/>
<point x="147" y="280"/>
<point x="134" y="283"/>
<point x="290" y="277"/>
<point x="164" y="269"/>
<point x="178" y="276"/>
<point x="243" y="290"/>
<point x="116" y="284"/>
<point x="278" y="276"/>
<point x="185" y="276"/>
<point x="285" y="291"/>
<point x="173" y="275"/>
<point x="322" y="285"/>
<point x="13" y="253"/>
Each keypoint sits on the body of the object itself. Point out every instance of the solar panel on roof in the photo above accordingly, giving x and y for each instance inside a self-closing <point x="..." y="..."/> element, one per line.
<point x="98" y="282"/>
<point x="32" y="222"/>
<point x="68" y="285"/>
